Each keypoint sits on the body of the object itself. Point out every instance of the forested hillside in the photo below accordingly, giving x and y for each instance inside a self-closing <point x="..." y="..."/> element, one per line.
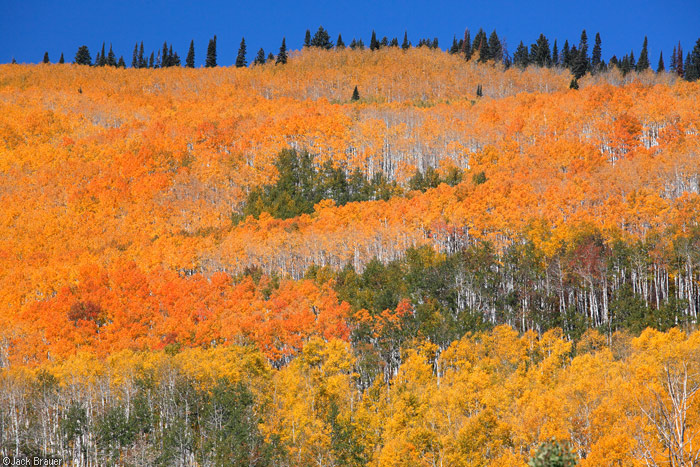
<point x="391" y="256"/>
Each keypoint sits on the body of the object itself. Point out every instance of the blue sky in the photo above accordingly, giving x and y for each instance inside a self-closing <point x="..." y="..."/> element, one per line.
<point x="29" y="28"/>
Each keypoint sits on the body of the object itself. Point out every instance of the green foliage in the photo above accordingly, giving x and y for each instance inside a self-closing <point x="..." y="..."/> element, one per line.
<point x="282" y="55"/>
<point x="301" y="184"/>
<point x="189" y="61"/>
<point x="553" y="454"/>
<point x="240" y="58"/>
<point x="82" y="57"/>
<point x="355" y="95"/>
<point x="210" y="61"/>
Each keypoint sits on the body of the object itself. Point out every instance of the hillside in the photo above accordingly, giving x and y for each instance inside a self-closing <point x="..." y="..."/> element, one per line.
<point x="419" y="254"/>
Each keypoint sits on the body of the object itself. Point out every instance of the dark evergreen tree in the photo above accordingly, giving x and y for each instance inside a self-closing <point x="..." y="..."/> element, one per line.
<point x="103" y="58"/>
<point x="61" y="60"/>
<point x="434" y="43"/>
<point x="152" y="61"/>
<point x="689" y="73"/>
<point x="614" y="62"/>
<point x="384" y="42"/>
<point x="173" y="57"/>
<point x="539" y="52"/>
<point x="260" y="58"/>
<point x="373" y="44"/>
<point x="159" y="62"/>
<point x="633" y="62"/>
<point x="566" y="55"/>
<point x="14" y="61"/>
<point x="643" y="63"/>
<point x="467" y="45"/>
<point x="97" y="59"/>
<point x="189" y="61"/>
<point x="573" y="84"/>
<point x="82" y="57"/>
<point x="355" y="95"/>
<point x="165" y="60"/>
<point x="121" y="63"/>
<point x="46" y="57"/>
<point x="555" y="54"/>
<point x="479" y="91"/>
<point x="405" y="44"/>
<point x="455" y="46"/>
<point x="210" y="61"/>
<point x="339" y="44"/>
<point x="679" y="61"/>
<point x="142" y="57"/>
<point x="480" y="46"/>
<point x="282" y="55"/>
<point x="270" y="57"/>
<point x="581" y="64"/>
<point x="693" y="73"/>
<point x="674" y="60"/>
<point x="521" y="56"/>
<point x="240" y="58"/>
<point x="394" y="42"/>
<point x="322" y="39"/>
<point x="660" y="67"/>
<point x="135" y="57"/>
<point x="626" y="65"/>
<point x="111" y="58"/>
<point x="596" y="54"/>
<point x="496" y="48"/>
<point x="307" y="39"/>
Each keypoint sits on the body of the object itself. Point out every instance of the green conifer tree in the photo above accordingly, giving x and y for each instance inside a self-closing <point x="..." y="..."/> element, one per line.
<point x="596" y="55"/>
<point x="189" y="61"/>
<point x="521" y="57"/>
<point x="102" y="61"/>
<point x="210" y="61"/>
<point x="660" y="67"/>
<point x="581" y="63"/>
<point x="467" y="45"/>
<point x="46" y="58"/>
<point x="142" y="57"/>
<point x="643" y="62"/>
<point x="282" y="55"/>
<point x="496" y="48"/>
<point x="339" y="44"/>
<point x="82" y="57"/>
<point x="111" y="58"/>
<point x="307" y="39"/>
<point x="555" y="54"/>
<point x="61" y="60"/>
<point x="355" y="95"/>
<point x="373" y="44"/>
<point x="260" y="58"/>
<point x="165" y="61"/>
<point x="135" y="57"/>
<point x="322" y="39"/>
<point x="240" y="58"/>
<point x="152" y="61"/>
<point x="121" y="63"/>
<point x="405" y="44"/>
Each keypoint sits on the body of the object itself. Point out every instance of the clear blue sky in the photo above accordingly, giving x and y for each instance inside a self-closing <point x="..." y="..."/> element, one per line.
<point x="28" y="28"/>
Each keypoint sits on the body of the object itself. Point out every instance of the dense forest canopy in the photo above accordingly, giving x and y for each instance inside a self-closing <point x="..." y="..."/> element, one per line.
<point x="350" y="255"/>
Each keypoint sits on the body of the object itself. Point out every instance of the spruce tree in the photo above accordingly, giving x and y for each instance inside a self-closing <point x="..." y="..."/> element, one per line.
<point x="674" y="58"/>
<point x="339" y="44"/>
<point x="539" y="52"/>
<point x="566" y="55"/>
<point x="103" y="58"/>
<point x="322" y="39"/>
<point x="405" y="44"/>
<point x="555" y="54"/>
<point x="496" y="48"/>
<point x="142" y="58"/>
<point x="189" y="61"/>
<point x="355" y="95"/>
<point x="694" y="63"/>
<point x="455" y="47"/>
<point x="260" y="58"/>
<point x="111" y="58"/>
<point x="307" y="39"/>
<point x="633" y="63"/>
<point x="82" y="57"/>
<point x="467" y="45"/>
<point x="159" y="62"/>
<point x="135" y="57"/>
<point x="165" y="61"/>
<point x="643" y="63"/>
<point x="14" y="61"/>
<point x="61" y="60"/>
<point x="581" y="64"/>
<point x="174" y="57"/>
<point x="282" y="56"/>
<point x="121" y="63"/>
<point x="614" y="61"/>
<point x="596" y="55"/>
<point x="97" y="59"/>
<point x="210" y="61"/>
<point x="151" y="61"/>
<point x="690" y="72"/>
<point x="625" y="65"/>
<point x="481" y="46"/>
<point x="240" y="58"/>
<point x="521" y="57"/>
<point x="479" y="91"/>
<point x="385" y="42"/>
<point x="394" y="42"/>
<point x="270" y="57"/>
<point x="434" y="44"/>
<point x="373" y="44"/>
<point x="573" y="84"/>
<point x="660" y="67"/>
<point x="46" y="57"/>
<point x="679" y="61"/>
